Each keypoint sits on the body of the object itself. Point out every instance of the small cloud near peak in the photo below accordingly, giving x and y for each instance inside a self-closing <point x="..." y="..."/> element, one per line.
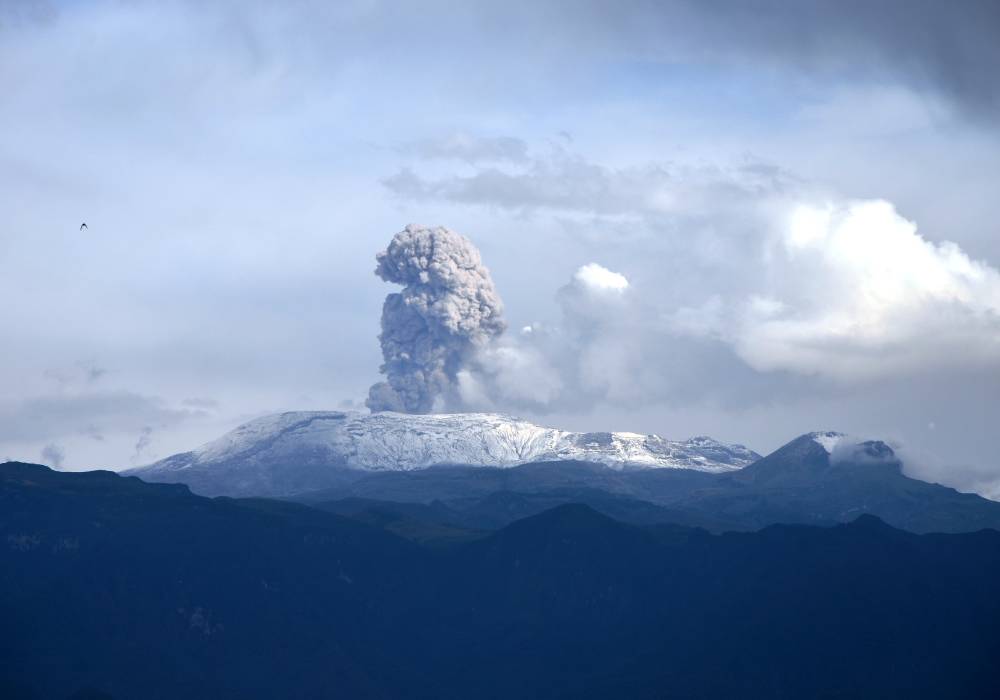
<point x="599" y="278"/>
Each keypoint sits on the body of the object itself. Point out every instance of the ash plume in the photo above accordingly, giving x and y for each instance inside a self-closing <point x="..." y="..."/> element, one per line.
<point x="447" y="310"/>
<point x="53" y="455"/>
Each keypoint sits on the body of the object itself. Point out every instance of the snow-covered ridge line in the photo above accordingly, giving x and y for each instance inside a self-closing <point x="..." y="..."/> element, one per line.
<point x="403" y="442"/>
<point x="828" y="440"/>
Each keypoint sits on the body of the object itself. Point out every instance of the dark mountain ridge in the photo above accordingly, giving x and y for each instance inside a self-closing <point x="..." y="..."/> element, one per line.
<point x="142" y="590"/>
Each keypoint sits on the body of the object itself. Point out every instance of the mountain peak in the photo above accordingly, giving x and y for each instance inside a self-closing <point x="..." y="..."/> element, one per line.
<point x="571" y="515"/>
<point x="868" y="522"/>
<point x="842" y="447"/>
<point x="818" y="452"/>
<point x="827" y="439"/>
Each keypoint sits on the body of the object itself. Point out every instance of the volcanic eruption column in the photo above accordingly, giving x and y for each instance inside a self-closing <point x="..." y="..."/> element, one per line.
<point x="447" y="309"/>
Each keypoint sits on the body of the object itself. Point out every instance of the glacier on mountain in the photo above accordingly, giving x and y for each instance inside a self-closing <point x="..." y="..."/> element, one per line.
<point x="404" y="442"/>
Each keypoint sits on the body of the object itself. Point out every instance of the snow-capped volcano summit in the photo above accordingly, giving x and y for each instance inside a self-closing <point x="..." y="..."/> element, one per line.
<point x="298" y="447"/>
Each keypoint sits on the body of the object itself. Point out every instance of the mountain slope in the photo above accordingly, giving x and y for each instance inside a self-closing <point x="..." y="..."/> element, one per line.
<point x="295" y="452"/>
<point x="819" y="478"/>
<point x="143" y="590"/>
<point x="825" y="478"/>
<point x="802" y="482"/>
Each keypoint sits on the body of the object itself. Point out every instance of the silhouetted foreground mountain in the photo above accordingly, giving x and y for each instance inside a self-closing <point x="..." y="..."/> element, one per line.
<point x="464" y="519"/>
<point x="146" y="591"/>
<point x="802" y="482"/>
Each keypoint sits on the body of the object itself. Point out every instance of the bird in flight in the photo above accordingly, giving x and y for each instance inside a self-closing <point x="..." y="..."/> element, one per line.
<point x="83" y="225"/>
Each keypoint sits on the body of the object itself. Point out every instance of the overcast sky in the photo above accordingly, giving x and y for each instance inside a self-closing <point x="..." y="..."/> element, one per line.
<point x="785" y="218"/>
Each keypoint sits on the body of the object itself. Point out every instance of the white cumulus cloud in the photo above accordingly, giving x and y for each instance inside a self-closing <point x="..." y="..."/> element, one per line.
<point x="599" y="278"/>
<point x="852" y="291"/>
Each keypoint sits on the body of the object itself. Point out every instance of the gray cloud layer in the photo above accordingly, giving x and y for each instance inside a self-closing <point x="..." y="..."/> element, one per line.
<point x="944" y="47"/>
<point x="948" y="47"/>
<point x="90" y="413"/>
<point x="467" y="148"/>
<point x="563" y="181"/>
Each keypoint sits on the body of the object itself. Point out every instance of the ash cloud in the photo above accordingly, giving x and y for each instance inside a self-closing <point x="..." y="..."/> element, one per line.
<point x="143" y="443"/>
<point x="448" y="309"/>
<point x="53" y="455"/>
